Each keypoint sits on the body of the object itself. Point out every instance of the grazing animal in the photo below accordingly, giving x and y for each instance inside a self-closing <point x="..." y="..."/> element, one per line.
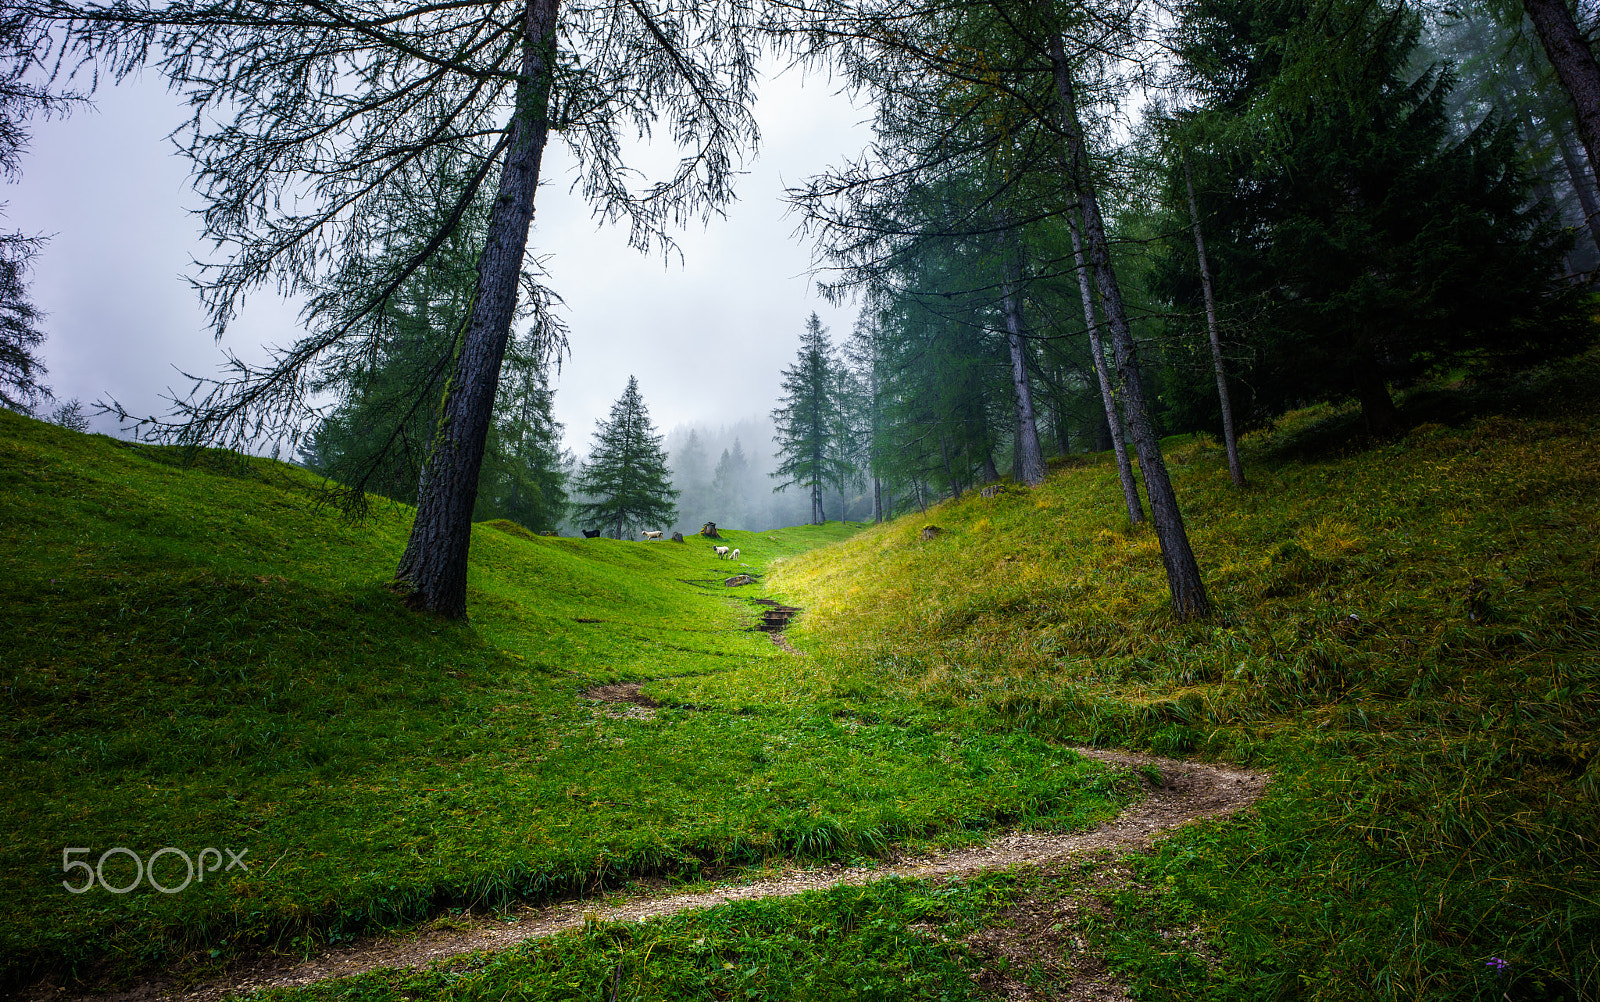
<point x="735" y="554"/>
<point x="722" y="551"/>
<point x="591" y="533"/>
<point x="651" y="535"/>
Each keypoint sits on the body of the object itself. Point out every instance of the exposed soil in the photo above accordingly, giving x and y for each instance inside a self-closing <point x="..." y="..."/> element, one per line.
<point x="1035" y="933"/>
<point x="624" y="699"/>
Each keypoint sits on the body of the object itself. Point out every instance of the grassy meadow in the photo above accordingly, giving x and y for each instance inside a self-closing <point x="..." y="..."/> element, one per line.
<point x="199" y="654"/>
<point x="1407" y="635"/>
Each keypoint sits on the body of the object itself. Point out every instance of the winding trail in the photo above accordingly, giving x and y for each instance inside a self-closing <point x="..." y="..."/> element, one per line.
<point x="1188" y="791"/>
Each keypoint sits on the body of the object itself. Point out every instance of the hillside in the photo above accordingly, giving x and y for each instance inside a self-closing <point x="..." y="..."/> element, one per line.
<point x="1408" y="636"/>
<point x="205" y="656"/>
<point x="1408" y="639"/>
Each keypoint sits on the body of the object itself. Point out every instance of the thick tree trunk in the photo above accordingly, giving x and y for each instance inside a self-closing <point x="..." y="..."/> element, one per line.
<point x="991" y="472"/>
<point x="435" y="559"/>
<point x="1189" y="599"/>
<point x="1234" y="469"/>
<point x="1119" y="445"/>
<point x="1030" y="461"/>
<point x="1582" y="183"/>
<point x="1574" y="64"/>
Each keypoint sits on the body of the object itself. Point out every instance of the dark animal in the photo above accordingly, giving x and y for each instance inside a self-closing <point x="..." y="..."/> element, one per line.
<point x="590" y="533"/>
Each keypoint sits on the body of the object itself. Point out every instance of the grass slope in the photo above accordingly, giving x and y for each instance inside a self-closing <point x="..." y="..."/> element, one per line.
<point x="201" y="656"/>
<point x="1408" y="634"/>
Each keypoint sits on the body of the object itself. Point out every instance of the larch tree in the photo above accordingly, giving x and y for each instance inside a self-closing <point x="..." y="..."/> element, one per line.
<point x="24" y="48"/>
<point x="625" y="483"/>
<point x="1010" y="63"/>
<point x="306" y="114"/>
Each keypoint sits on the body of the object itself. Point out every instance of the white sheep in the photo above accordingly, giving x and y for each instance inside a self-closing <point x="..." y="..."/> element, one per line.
<point x="652" y="535"/>
<point x="722" y="551"/>
<point x="735" y="554"/>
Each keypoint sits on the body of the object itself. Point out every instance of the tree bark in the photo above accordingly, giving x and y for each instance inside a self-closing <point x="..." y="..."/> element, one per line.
<point x="435" y="559"/>
<point x="1189" y="599"/>
<point x="1377" y="406"/>
<point x="1234" y="469"/>
<point x="1119" y="445"/>
<point x="1582" y="183"/>
<point x="1030" y="460"/>
<point x="1574" y="63"/>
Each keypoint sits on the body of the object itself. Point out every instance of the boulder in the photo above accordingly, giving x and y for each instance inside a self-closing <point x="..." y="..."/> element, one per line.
<point x="677" y="537"/>
<point x="709" y="530"/>
<point x="930" y="531"/>
<point x="739" y="579"/>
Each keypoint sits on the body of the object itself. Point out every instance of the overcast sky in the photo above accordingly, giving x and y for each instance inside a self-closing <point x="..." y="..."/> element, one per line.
<point x="706" y="337"/>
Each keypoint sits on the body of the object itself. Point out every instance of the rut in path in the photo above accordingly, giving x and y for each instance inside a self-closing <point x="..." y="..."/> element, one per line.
<point x="1188" y="791"/>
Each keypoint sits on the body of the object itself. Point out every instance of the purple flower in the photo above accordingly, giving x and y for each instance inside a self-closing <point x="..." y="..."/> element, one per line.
<point x="1500" y="966"/>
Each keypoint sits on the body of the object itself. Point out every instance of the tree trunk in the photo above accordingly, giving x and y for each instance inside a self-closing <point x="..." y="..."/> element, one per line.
<point x="1119" y="445"/>
<point x="877" y="499"/>
<point x="1189" y="599"/>
<point x="1030" y="461"/>
<point x="949" y="471"/>
<point x="1582" y="183"/>
<point x="1377" y="407"/>
<point x="1574" y="63"/>
<point x="435" y="559"/>
<point x="1234" y="469"/>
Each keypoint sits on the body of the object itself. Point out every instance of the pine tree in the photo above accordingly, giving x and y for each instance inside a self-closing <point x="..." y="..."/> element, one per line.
<point x="806" y="420"/>
<point x="524" y="472"/>
<point x="691" y="476"/>
<point x="625" y="481"/>
<point x="728" y="487"/>
<point x="1373" y="245"/>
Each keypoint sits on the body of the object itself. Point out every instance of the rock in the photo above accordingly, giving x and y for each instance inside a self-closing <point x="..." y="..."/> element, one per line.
<point x="677" y="537"/>
<point x="993" y="490"/>
<point x="930" y="531"/>
<point x="709" y="530"/>
<point x="739" y="579"/>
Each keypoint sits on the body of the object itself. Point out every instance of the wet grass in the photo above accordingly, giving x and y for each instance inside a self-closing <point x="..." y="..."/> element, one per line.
<point x="200" y="655"/>
<point x="1408" y="634"/>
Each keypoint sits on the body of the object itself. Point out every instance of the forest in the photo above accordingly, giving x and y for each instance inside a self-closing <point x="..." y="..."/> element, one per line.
<point x="1177" y="584"/>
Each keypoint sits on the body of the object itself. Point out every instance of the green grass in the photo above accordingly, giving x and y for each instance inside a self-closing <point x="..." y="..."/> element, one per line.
<point x="203" y="655"/>
<point x="1407" y="634"/>
<point x="893" y="939"/>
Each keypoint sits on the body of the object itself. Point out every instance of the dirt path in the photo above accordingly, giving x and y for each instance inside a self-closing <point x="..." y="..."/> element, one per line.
<point x="1188" y="791"/>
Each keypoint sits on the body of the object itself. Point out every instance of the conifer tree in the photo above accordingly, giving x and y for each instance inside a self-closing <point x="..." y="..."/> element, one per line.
<point x="728" y="486"/>
<point x="625" y="482"/>
<point x="807" y="422"/>
<point x="524" y="468"/>
<point x="307" y="115"/>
